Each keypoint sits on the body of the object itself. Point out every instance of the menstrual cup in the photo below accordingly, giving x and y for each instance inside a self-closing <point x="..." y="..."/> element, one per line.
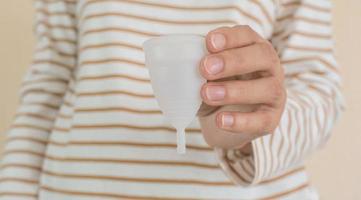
<point x="173" y="63"/>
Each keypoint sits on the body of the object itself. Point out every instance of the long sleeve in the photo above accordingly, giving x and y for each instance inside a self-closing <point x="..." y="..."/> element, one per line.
<point x="41" y="95"/>
<point x="303" y="39"/>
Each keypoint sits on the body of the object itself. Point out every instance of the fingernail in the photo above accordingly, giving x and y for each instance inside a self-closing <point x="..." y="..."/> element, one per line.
<point x="213" y="65"/>
<point x="218" y="41"/>
<point x="215" y="93"/>
<point x="227" y="120"/>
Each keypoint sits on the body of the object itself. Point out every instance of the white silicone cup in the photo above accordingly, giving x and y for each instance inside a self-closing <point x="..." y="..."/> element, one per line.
<point x="173" y="63"/>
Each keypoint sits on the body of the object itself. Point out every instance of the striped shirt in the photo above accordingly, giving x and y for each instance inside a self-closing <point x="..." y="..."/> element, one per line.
<point x="88" y="126"/>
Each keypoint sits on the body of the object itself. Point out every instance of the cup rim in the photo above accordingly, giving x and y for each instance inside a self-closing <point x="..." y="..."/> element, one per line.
<point x="171" y="38"/>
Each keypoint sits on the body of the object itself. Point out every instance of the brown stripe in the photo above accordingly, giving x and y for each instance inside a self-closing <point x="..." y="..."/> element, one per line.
<point x="32" y="139"/>
<point x="312" y="83"/>
<point x="285" y="175"/>
<point x="318" y="123"/>
<point x="121" y="30"/>
<point x="276" y="196"/>
<point x="30" y="126"/>
<point x="277" y="33"/>
<point x="150" y="128"/>
<point x="109" y="60"/>
<point x="113" y="44"/>
<point x="305" y="19"/>
<point x="22" y="194"/>
<point x="7" y="152"/>
<point x="60" y="40"/>
<point x="310" y="35"/>
<point x="55" y="13"/>
<point x="68" y="103"/>
<point x="134" y="162"/>
<point x="325" y="109"/>
<point x="126" y="143"/>
<point x="305" y="125"/>
<point x="110" y="195"/>
<point x="243" y="171"/>
<point x="273" y="156"/>
<point x="319" y="76"/>
<point x="178" y="7"/>
<point x="320" y="91"/>
<point x="64" y="116"/>
<point x="69" y="67"/>
<point x="35" y="115"/>
<point x="45" y="80"/>
<point x="298" y="134"/>
<point x="59" y="129"/>
<point x="11" y="165"/>
<point x="314" y="58"/>
<point x="235" y="172"/>
<point x="307" y="5"/>
<point x="287" y="137"/>
<point x="117" y="109"/>
<point x="22" y="180"/>
<point x="51" y="47"/>
<point x="246" y="171"/>
<point x="250" y="171"/>
<point x="71" y="90"/>
<point x="56" y="26"/>
<point x="48" y="105"/>
<point x="114" y="92"/>
<point x="311" y="122"/>
<point x="265" y="163"/>
<point x="152" y="19"/>
<point x="42" y="91"/>
<point x="137" y="180"/>
<point x="312" y="86"/>
<point x="264" y="10"/>
<point x="309" y="48"/>
<point x="114" y="76"/>
<point x="279" y="148"/>
<point x="57" y="143"/>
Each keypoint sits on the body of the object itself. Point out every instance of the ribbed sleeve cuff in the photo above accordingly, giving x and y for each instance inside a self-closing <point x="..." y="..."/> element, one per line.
<point x="241" y="169"/>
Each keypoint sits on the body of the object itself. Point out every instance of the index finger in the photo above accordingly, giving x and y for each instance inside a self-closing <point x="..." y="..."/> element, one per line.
<point x="231" y="37"/>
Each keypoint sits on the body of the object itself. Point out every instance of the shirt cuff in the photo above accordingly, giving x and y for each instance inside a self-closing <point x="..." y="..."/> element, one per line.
<point x="243" y="169"/>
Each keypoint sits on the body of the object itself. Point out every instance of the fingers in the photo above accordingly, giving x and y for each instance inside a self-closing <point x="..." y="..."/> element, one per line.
<point x="237" y="52"/>
<point x="267" y="91"/>
<point x="257" y="123"/>
<point x="253" y="58"/>
<point x="231" y="37"/>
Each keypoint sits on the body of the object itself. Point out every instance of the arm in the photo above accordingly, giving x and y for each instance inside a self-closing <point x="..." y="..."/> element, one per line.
<point x="41" y="95"/>
<point x="314" y="101"/>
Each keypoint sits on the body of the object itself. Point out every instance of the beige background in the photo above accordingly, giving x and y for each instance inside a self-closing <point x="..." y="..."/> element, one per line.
<point x="335" y="170"/>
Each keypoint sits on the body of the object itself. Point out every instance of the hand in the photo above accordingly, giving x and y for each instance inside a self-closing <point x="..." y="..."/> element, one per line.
<point x="245" y="85"/>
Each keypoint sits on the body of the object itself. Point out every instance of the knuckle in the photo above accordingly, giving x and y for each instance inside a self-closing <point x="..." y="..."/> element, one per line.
<point x="246" y="28"/>
<point x="276" y="89"/>
<point x="234" y="92"/>
<point x="245" y="31"/>
<point x="267" y="124"/>
<point x="241" y="59"/>
<point x="239" y="26"/>
<point x="269" y="53"/>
